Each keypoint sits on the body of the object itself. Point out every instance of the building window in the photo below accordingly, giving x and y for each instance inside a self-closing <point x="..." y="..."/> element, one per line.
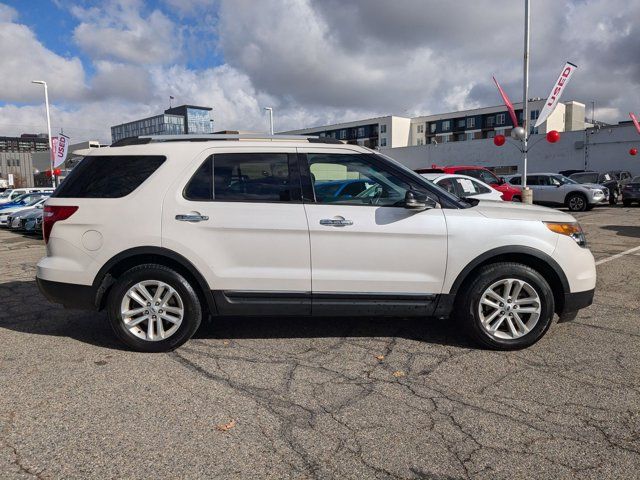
<point x="535" y="114"/>
<point x="383" y="128"/>
<point x="469" y="136"/>
<point x="383" y="142"/>
<point x="432" y="127"/>
<point x="420" y="128"/>
<point x="490" y="121"/>
<point x="360" y="132"/>
<point x="491" y="134"/>
<point x="420" y="141"/>
<point x="471" y="122"/>
<point x="500" y="118"/>
<point x="446" y="138"/>
<point x="446" y="125"/>
<point x="462" y="122"/>
<point x="343" y="134"/>
<point x="460" y="137"/>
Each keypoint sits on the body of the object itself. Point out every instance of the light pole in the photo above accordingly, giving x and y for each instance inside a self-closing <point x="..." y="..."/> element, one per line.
<point x="270" y="110"/>
<point x="527" y="196"/>
<point x="46" y="102"/>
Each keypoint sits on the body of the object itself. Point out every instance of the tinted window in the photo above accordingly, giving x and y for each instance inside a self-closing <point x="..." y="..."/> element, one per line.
<point x="383" y="187"/>
<point x="585" y="177"/>
<point x="112" y="176"/>
<point x="250" y="177"/>
<point x="515" y="181"/>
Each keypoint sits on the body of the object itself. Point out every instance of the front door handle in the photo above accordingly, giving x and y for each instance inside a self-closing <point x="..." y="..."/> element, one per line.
<point x="192" y="217"/>
<point x="335" y="222"/>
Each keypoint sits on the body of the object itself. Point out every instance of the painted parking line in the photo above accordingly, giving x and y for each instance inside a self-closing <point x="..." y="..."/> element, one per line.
<point x="617" y="255"/>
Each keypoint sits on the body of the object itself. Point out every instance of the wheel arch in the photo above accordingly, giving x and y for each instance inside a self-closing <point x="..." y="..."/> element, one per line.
<point x="120" y="263"/>
<point x="534" y="258"/>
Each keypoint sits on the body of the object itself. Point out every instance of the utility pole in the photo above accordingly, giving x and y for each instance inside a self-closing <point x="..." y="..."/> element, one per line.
<point x="270" y="110"/>
<point x="527" y="194"/>
<point x="46" y="102"/>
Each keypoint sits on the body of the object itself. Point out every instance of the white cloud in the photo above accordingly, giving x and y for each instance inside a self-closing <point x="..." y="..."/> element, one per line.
<point x="24" y="59"/>
<point x="118" y="31"/>
<point x="7" y="13"/>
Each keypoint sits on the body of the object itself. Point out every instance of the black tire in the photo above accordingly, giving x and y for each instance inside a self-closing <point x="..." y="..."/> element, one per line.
<point x="626" y="203"/>
<point x="576" y="202"/>
<point x="466" y="310"/>
<point x="151" y="272"/>
<point x="516" y="199"/>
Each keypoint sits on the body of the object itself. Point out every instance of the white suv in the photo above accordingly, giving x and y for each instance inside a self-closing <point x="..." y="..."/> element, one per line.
<point x="164" y="231"/>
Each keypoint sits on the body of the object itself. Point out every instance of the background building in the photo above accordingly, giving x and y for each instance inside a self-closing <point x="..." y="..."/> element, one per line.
<point x="16" y="157"/>
<point x="42" y="162"/>
<point x="174" y="121"/>
<point x="474" y="124"/>
<point x="599" y="148"/>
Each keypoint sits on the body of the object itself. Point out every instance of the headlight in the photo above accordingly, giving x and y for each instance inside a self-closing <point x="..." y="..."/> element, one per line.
<point x="597" y="191"/>
<point x="573" y="230"/>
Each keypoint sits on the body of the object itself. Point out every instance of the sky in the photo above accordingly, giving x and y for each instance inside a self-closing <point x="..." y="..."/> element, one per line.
<point x="314" y="61"/>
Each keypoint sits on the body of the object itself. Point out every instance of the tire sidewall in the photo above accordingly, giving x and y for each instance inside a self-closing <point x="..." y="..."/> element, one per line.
<point x="192" y="314"/>
<point x="492" y="274"/>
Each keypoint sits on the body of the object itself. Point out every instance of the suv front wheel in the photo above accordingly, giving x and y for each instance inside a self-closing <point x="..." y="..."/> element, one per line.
<point x="153" y="308"/>
<point x="506" y="306"/>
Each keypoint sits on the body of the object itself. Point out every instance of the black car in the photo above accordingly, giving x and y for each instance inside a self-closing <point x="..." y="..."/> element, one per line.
<point x="631" y="192"/>
<point x="606" y="179"/>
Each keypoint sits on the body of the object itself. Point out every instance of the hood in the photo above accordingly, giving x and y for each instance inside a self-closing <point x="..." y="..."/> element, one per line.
<point x="521" y="211"/>
<point x="593" y="185"/>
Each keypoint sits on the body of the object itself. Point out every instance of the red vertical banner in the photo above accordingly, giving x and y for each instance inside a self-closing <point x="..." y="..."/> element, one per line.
<point x="507" y="102"/>
<point x="635" y="121"/>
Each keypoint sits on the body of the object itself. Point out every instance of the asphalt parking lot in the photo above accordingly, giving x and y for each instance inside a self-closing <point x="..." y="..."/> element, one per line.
<point x="301" y="398"/>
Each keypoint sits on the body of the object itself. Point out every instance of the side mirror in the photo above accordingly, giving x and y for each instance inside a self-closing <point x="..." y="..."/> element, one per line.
<point x="418" y="201"/>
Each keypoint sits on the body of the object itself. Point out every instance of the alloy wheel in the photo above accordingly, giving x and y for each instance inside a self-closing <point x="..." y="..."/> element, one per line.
<point x="576" y="203"/>
<point x="509" y="309"/>
<point x="152" y="310"/>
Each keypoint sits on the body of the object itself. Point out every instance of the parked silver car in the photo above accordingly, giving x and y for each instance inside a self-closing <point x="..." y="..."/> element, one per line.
<point x="556" y="190"/>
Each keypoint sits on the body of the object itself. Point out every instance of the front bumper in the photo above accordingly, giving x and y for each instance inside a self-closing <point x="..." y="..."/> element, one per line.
<point x="70" y="295"/>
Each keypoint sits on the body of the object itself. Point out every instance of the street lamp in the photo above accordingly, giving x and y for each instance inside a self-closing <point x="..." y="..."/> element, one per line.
<point x="527" y="195"/>
<point x="270" y="110"/>
<point x="46" y="102"/>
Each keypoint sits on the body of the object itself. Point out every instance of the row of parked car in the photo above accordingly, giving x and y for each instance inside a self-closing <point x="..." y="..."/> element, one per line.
<point x="22" y="209"/>
<point x="577" y="190"/>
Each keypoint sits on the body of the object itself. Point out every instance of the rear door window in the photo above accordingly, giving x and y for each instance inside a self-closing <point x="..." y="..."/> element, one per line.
<point x="245" y="177"/>
<point x="108" y="176"/>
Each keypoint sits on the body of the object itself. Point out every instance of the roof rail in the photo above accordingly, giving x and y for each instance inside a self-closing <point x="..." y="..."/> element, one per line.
<point x="217" y="137"/>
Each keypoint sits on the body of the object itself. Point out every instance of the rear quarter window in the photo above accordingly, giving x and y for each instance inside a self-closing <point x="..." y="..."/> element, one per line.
<point x="108" y="176"/>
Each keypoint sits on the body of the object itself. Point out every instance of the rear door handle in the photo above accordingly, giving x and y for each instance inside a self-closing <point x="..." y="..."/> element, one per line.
<point x="192" y="217"/>
<point x="335" y="222"/>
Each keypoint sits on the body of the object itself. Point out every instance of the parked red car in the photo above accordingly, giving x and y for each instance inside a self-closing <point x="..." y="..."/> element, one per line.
<point x="509" y="192"/>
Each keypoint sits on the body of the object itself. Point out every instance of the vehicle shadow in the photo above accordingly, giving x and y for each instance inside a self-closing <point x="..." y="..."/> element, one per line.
<point x="623" y="230"/>
<point x="25" y="310"/>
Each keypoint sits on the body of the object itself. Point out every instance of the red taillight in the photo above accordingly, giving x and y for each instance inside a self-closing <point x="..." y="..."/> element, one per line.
<point x="53" y="214"/>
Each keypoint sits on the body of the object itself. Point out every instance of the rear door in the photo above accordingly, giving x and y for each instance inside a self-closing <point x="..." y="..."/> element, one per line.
<point x="238" y="214"/>
<point x="368" y="252"/>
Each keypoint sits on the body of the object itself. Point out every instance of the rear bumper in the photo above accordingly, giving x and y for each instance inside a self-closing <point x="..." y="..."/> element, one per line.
<point x="70" y="295"/>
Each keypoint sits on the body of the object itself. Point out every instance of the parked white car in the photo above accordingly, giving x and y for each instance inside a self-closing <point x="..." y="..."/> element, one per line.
<point x="464" y="186"/>
<point x="12" y="193"/>
<point x="164" y="231"/>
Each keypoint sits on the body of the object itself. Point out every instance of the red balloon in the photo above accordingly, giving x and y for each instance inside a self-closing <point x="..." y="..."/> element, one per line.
<point x="57" y="172"/>
<point x="553" y="136"/>
<point x="499" y="140"/>
<point x="633" y="151"/>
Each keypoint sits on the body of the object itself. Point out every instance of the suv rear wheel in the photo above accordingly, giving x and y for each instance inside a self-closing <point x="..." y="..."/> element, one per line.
<point x="507" y="306"/>
<point x="152" y="308"/>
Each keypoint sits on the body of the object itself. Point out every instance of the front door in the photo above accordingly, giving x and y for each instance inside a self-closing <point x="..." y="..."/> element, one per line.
<point x="238" y="217"/>
<point x="368" y="252"/>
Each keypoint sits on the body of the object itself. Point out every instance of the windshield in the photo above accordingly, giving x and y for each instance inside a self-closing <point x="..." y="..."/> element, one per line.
<point x="635" y="180"/>
<point x="563" y="180"/>
<point x="585" y="177"/>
